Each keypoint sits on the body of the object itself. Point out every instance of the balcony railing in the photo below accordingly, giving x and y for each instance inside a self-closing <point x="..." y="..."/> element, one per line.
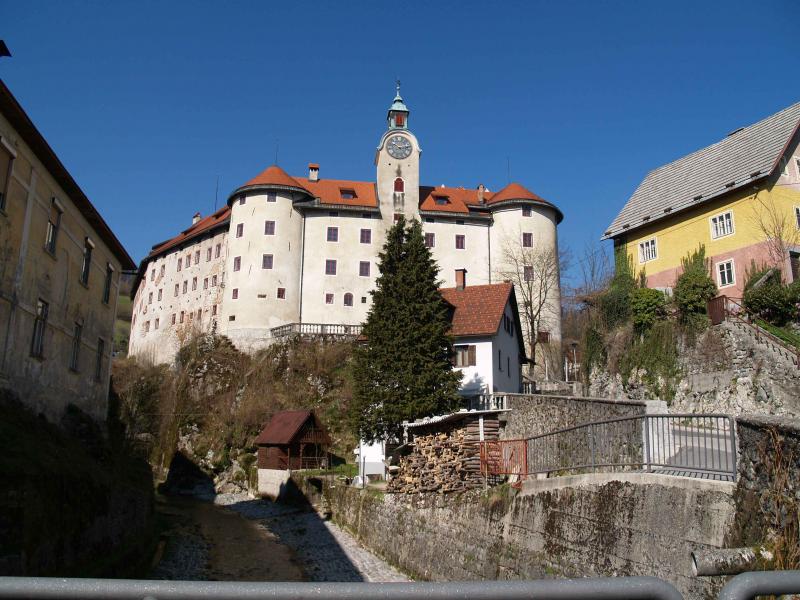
<point x="316" y="329"/>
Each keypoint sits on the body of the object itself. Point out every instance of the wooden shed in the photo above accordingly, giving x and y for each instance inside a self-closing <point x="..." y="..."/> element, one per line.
<point x="293" y="439"/>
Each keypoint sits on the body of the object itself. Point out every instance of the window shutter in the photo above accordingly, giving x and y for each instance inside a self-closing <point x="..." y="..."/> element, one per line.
<point x="471" y="356"/>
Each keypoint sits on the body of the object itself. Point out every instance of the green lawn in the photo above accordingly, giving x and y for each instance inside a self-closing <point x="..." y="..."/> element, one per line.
<point x="782" y="333"/>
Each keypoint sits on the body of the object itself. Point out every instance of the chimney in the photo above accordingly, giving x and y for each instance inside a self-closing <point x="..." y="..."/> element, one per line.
<point x="481" y="192"/>
<point x="313" y="172"/>
<point x="196" y="218"/>
<point x="461" y="279"/>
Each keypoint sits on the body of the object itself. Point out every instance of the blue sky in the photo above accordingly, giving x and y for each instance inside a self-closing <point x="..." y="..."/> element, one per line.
<point x="148" y="103"/>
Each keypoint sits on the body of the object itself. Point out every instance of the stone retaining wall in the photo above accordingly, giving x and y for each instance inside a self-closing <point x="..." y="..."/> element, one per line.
<point x="534" y="414"/>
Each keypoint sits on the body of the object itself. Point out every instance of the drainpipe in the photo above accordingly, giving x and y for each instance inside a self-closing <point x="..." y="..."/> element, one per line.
<point x="728" y="561"/>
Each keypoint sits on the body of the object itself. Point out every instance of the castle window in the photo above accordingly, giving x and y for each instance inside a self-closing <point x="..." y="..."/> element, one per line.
<point x="237" y="263"/>
<point x="150" y="298"/>
<point x="328" y="298"/>
<point x="441" y="200"/>
<point x="177" y="289"/>
<point x="526" y="211"/>
<point x="399" y="185"/>
<point x="160" y="290"/>
<point x="269" y="227"/>
<point x="363" y="299"/>
<point x="399" y="120"/>
<point x="153" y="275"/>
<point x="156" y="324"/>
<point x="363" y="268"/>
<point x="182" y="315"/>
<point x="208" y="254"/>
<point x="242" y="200"/>
<point x="266" y="261"/>
<point x="185" y="286"/>
<point x="53" y="225"/>
<point x="330" y="267"/>
<point x="460" y="242"/>
<point x="216" y="250"/>
<point x="348" y="299"/>
<point x="366" y="236"/>
<point x="213" y="281"/>
<point x="281" y="293"/>
<point x="173" y="318"/>
<point x="39" y="326"/>
<point x="163" y="269"/>
<point x="214" y="310"/>
<point x="272" y="197"/>
<point x="180" y="263"/>
<point x="333" y="234"/>
<point x="347" y="194"/>
<point x="430" y="240"/>
<point x="109" y="281"/>
<point x="648" y="250"/>
<point x="76" y="347"/>
<point x="397" y="217"/>
<point x="205" y="283"/>
<point x="527" y="240"/>
<point x="527" y="273"/>
<point x="194" y="283"/>
<point x="197" y="257"/>
<point x="240" y="230"/>
<point x="88" y="246"/>
<point x="147" y="326"/>
<point x="235" y="294"/>
<point x="98" y="363"/>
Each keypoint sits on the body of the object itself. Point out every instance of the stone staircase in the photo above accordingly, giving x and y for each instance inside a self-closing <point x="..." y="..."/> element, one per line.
<point x="775" y="348"/>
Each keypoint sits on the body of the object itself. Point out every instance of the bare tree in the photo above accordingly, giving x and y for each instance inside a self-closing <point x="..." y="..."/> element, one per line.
<point x="535" y="274"/>
<point x="777" y="227"/>
<point x="595" y="268"/>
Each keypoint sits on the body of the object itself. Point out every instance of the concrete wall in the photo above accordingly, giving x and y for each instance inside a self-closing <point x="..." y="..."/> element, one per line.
<point x="536" y="414"/>
<point x="30" y="273"/>
<point x="271" y="482"/>
<point x="589" y="525"/>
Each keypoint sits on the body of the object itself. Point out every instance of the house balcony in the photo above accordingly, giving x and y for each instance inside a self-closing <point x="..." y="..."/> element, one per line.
<point x="329" y="330"/>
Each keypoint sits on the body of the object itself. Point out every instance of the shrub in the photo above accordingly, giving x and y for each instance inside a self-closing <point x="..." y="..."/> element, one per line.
<point x="614" y="304"/>
<point x="647" y="307"/>
<point x="770" y="302"/>
<point x="694" y="287"/>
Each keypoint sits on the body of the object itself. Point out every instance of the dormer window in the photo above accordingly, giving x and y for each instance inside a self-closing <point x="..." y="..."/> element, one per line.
<point x="441" y="200"/>
<point x="347" y="194"/>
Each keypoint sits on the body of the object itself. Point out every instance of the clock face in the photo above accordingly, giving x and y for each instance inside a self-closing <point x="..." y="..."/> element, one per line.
<point x="398" y="146"/>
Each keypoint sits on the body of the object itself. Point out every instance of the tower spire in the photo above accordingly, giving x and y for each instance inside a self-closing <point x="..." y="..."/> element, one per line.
<point x="398" y="111"/>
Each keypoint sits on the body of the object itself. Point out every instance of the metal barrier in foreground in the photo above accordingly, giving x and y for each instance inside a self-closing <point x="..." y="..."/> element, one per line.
<point x="695" y="445"/>
<point x="761" y="583"/>
<point x="607" y="588"/>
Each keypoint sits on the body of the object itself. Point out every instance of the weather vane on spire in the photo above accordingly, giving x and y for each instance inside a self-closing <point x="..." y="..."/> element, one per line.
<point x="398" y="86"/>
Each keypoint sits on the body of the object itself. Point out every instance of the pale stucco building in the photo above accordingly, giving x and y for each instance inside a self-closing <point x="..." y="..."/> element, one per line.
<point x="60" y="267"/>
<point x="287" y="251"/>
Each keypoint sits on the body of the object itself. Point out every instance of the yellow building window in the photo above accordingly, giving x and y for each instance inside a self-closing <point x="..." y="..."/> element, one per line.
<point x="726" y="274"/>
<point x="648" y="250"/>
<point x="722" y="225"/>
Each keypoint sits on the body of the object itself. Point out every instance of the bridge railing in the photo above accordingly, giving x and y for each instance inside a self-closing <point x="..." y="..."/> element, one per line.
<point x="683" y="444"/>
<point x="316" y="329"/>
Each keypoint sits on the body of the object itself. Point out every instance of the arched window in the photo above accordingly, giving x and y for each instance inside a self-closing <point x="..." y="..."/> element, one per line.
<point x="399" y="186"/>
<point x="348" y="299"/>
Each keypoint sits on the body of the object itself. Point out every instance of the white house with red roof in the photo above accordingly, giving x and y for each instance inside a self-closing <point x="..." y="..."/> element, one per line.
<point x="290" y="252"/>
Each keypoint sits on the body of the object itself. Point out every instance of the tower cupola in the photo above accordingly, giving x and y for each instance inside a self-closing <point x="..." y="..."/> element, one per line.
<point x="398" y="112"/>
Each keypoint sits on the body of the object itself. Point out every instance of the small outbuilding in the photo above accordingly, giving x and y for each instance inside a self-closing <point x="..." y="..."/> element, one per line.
<point x="293" y="439"/>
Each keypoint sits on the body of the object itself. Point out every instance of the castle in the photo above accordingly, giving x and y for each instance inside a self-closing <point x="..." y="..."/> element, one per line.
<point x="290" y="253"/>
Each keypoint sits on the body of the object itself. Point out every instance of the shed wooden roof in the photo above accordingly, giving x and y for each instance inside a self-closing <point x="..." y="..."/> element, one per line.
<point x="284" y="426"/>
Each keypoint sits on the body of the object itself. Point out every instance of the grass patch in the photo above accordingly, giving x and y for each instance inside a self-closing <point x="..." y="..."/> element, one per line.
<point x="781" y="333"/>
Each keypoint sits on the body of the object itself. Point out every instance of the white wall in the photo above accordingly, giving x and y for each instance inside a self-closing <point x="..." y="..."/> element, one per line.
<point x="474" y="257"/>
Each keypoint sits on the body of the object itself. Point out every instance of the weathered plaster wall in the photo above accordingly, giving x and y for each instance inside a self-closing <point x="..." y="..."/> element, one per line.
<point x="588" y="525"/>
<point x="533" y="414"/>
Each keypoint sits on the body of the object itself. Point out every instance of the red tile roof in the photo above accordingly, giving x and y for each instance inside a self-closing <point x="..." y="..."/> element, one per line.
<point x="459" y="199"/>
<point x="203" y="225"/>
<point x="329" y="191"/>
<point x="478" y="308"/>
<point x="515" y="191"/>
<point x="274" y="175"/>
<point x="284" y="426"/>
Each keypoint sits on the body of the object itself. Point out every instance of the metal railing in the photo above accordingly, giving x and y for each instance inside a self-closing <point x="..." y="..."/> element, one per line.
<point x="316" y="329"/>
<point x="741" y="587"/>
<point x="684" y="444"/>
<point x="635" y="588"/>
<point x="724" y="308"/>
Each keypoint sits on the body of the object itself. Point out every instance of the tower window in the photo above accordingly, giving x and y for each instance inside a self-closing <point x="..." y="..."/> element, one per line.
<point x="237" y="263"/>
<point x="526" y="211"/>
<point x="330" y="267"/>
<point x="240" y="230"/>
<point x="281" y="293"/>
<point x="460" y="242"/>
<point x="235" y="294"/>
<point x="347" y="194"/>
<point x="333" y="234"/>
<point x="527" y="240"/>
<point x="272" y="197"/>
<point x="328" y="298"/>
<point x="430" y="240"/>
<point x="399" y="120"/>
<point x="266" y="261"/>
<point x="269" y="227"/>
<point x="399" y="185"/>
<point x="363" y="268"/>
<point x="348" y="299"/>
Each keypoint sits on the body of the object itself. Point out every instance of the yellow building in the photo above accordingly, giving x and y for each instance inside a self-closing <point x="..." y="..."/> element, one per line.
<point x="60" y="266"/>
<point x="739" y="197"/>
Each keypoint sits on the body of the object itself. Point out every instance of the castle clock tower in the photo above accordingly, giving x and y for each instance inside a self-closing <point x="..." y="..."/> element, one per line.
<point x="397" y="162"/>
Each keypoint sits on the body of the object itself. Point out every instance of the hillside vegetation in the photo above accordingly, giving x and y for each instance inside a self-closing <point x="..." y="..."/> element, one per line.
<point x="214" y="401"/>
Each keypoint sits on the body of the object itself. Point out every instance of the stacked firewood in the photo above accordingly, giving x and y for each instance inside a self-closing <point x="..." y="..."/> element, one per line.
<point x="442" y="462"/>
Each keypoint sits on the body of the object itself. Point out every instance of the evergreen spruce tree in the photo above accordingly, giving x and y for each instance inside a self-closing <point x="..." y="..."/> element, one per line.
<point x="404" y="371"/>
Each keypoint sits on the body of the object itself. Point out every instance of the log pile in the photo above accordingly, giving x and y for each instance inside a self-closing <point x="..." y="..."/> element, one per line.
<point x="444" y="461"/>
